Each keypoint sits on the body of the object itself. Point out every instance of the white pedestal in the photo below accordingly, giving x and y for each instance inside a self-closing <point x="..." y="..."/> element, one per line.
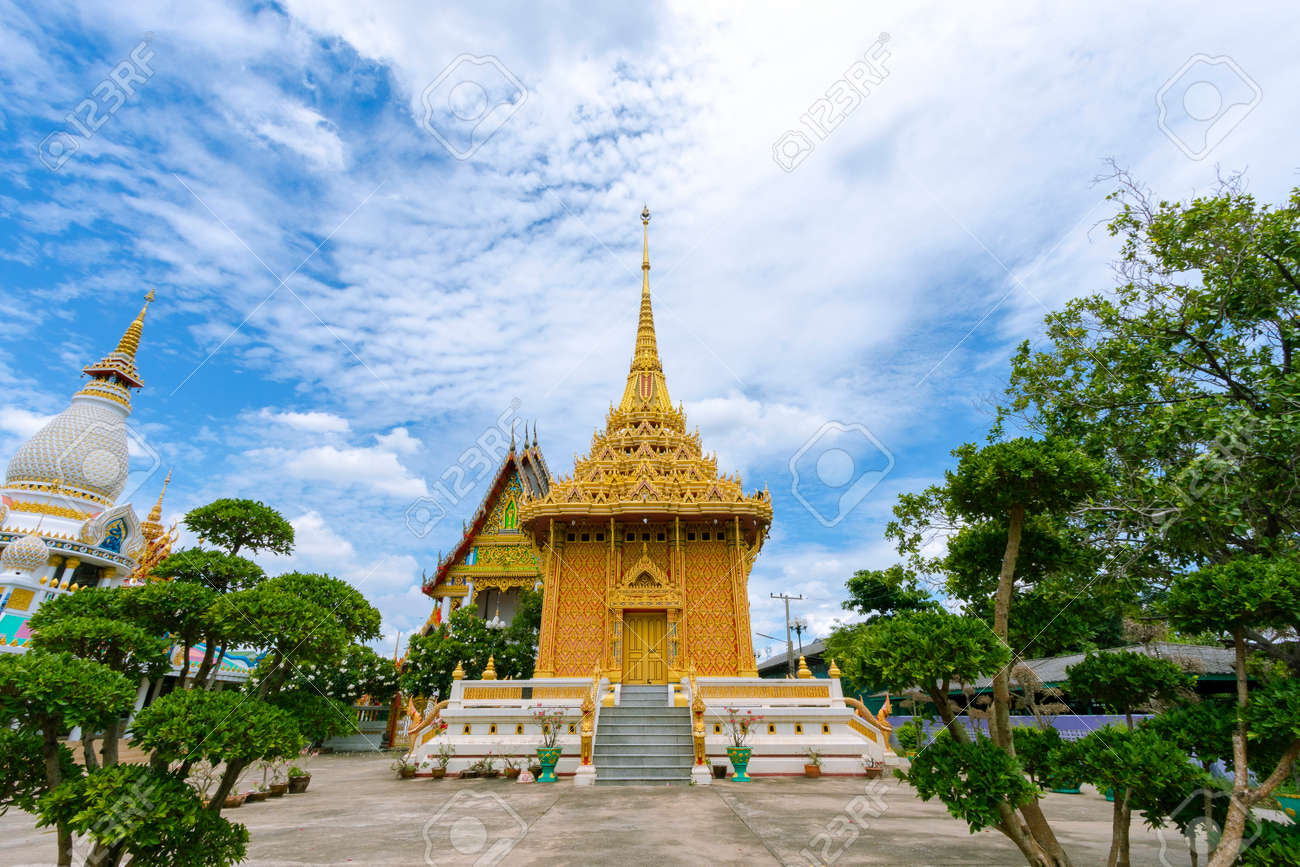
<point x="585" y="775"/>
<point x="701" y="775"/>
<point x="526" y="776"/>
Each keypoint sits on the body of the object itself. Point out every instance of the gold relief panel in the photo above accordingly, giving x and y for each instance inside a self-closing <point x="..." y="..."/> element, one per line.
<point x="775" y="691"/>
<point x="492" y="693"/>
<point x="559" y="692"/>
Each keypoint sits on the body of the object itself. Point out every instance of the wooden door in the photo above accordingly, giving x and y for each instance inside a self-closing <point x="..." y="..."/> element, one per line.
<point x="645" y="643"/>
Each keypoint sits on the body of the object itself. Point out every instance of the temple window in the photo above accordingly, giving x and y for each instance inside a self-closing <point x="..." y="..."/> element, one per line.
<point x="519" y="728"/>
<point x="600" y="537"/>
<point x="492" y="729"/>
<point x="586" y="537"/>
<point x="690" y="537"/>
<point x="631" y="537"/>
<point x="572" y="537"/>
<point x="704" y="536"/>
<point x="466" y="729"/>
<point x="826" y="729"/>
<point x="661" y="537"/>
<point x="645" y="537"/>
<point x="771" y="728"/>
<point x="717" y="728"/>
<point x="573" y="728"/>
<point x="798" y="728"/>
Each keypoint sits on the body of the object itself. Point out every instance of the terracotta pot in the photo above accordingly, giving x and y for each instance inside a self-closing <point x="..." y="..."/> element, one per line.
<point x="438" y="773"/>
<point x="513" y="773"/>
<point x="719" y="772"/>
<point x="812" y="771"/>
<point x="874" y="773"/>
<point x="232" y="801"/>
<point x="278" y="790"/>
<point x="406" y="773"/>
<point x="298" y="784"/>
<point x="495" y="772"/>
<point x="254" y="797"/>
<point x="469" y="775"/>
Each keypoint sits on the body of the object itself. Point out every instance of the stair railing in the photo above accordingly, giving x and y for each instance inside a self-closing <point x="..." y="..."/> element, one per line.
<point x="697" y="719"/>
<point x="590" y="704"/>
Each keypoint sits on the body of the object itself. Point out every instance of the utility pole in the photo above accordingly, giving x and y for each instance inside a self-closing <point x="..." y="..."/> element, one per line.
<point x="789" y="645"/>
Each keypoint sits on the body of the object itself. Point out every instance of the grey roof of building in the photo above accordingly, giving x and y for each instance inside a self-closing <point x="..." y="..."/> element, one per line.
<point x="781" y="660"/>
<point x="1203" y="659"/>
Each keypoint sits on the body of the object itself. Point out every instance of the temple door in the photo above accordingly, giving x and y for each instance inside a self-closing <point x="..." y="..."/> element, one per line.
<point x="645" y="647"/>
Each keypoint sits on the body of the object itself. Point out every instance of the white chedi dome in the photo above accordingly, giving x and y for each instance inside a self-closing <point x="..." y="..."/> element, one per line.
<point x="82" y="449"/>
<point x="25" y="554"/>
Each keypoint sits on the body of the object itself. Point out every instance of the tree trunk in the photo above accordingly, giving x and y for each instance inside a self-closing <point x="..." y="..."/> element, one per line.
<point x="228" y="780"/>
<point x="201" y="676"/>
<point x="212" y="678"/>
<point x="1001" y="731"/>
<point x="1235" y="826"/>
<point x="54" y="776"/>
<point x="1119" y="826"/>
<point x="108" y="749"/>
<point x="88" y="751"/>
<point x="185" y="667"/>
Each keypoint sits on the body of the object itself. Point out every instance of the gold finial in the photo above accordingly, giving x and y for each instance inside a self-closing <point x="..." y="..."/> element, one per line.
<point x="804" y="672"/>
<point x="834" y="670"/>
<point x="458" y="673"/>
<point x="646" y="387"/>
<point x="645" y="251"/>
<point x="489" y="673"/>
<point x="130" y="341"/>
<point x="153" y="524"/>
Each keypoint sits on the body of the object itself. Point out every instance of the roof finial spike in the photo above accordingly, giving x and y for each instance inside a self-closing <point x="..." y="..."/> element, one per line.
<point x="512" y="437"/>
<point x="534" y="433"/>
<point x="130" y="341"/>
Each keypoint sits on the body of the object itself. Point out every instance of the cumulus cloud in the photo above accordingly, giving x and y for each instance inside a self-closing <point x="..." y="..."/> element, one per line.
<point x="314" y="421"/>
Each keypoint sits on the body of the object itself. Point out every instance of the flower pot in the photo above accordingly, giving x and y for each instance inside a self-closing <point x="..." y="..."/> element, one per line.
<point x="468" y="774"/>
<point x="492" y="774"/>
<point x="232" y="801"/>
<point x="1290" y="805"/>
<point x="513" y="773"/>
<point x="548" y="758"/>
<point x="1068" y="789"/>
<point x="278" y="790"/>
<point x="1110" y="794"/>
<point x="719" y="772"/>
<point x="406" y="773"/>
<point x="438" y="773"/>
<point x="254" y="797"/>
<point x="812" y="771"/>
<point x="874" y="773"/>
<point x="535" y="770"/>
<point x="298" y="784"/>
<point x="740" y="761"/>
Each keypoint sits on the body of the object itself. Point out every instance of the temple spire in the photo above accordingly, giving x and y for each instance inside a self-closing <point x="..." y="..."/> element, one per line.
<point x="130" y="341"/>
<point x="646" y="387"/>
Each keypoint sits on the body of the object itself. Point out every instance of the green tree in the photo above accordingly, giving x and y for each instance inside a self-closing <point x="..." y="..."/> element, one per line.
<point x="464" y="638"/>
<point x="362" y="671"/>
<point x="151" y="816"/>
<point x="880" y="593"/>
<point x="233" y="525"/>
<point x="177" y="609"/>
<point x="1182" y="380"/>
<point x="50" y="693"/>
<point x="1250" y="594"/>
<point x="1146" y="772"/>
<point x="1123" y="681"/>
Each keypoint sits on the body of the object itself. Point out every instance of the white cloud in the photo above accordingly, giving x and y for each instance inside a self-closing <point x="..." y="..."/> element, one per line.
<point x="399" y="440"/>
<point x="313" y="421"/>
<point x="372" y="468"/>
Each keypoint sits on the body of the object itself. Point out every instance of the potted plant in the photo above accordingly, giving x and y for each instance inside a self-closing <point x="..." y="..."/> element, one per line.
<point x="489" y="768"/>
<point x="720" y="771"/>
<point x="872" y="768"/>
<point x="512" y="768"/>
<point x="1062" y="773"/>
<point x="739" y="727"/>
<point x="279" y="770"/>
<point x="548" y="754"/>
<point x="234" y="799"/>
<point x="405" y="768"/>
<point x="535" y="768"/>
<point x="257" y="793"/>
<point x="298" y="780"/>
<point x="813" y="767"/>
<point x="445" y="752"/>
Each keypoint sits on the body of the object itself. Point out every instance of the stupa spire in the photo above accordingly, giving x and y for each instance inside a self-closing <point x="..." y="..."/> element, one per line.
<point x="646" y="387"/>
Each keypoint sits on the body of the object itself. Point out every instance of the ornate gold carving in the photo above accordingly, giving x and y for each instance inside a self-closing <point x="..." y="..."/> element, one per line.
<point x="49" y="509"/>
<point x="857" y="726"/>
<point x="559" y="692"/>
<point x="775" y="691"/>
<point x="493" y="693"/>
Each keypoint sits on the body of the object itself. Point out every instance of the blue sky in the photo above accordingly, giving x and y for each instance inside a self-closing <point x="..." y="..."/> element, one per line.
<point x="373" y="228"/>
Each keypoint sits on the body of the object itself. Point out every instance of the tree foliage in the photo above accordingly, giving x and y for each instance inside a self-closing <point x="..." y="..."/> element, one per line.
<point x="1124" y="681"/>
<point x="234" y="524"/>
<point x="216" y="569"/>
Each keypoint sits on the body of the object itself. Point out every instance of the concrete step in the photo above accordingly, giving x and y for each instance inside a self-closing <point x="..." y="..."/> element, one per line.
<point x="638" y="782"/>
<point x="655" y="713"/>
<point x="635" y="740"/>
<point x="645" y="758"/>
<point x="661" y="773"/>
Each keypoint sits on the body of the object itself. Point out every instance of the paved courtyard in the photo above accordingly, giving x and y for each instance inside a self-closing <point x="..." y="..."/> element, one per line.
<point x="357" y="812"/>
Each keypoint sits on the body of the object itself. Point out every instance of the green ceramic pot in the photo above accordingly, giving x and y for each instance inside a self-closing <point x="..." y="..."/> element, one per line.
<point x="548" y="758"/>
<point x="1290" y="805"/>
<point x="740" y="761"/>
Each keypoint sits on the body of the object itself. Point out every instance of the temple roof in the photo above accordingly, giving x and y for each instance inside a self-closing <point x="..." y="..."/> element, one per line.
<point x="529" y="467"/>
<point x="645" y="462"/>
